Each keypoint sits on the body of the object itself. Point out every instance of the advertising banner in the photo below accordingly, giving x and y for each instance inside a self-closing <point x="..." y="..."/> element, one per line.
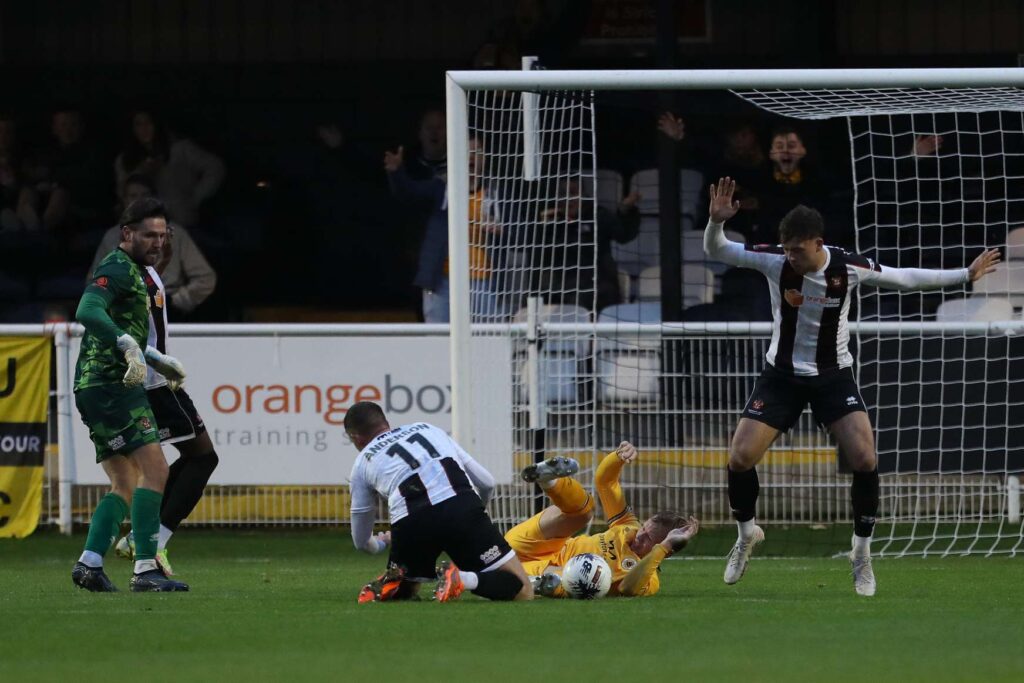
<point x="24" y="391"/>
<point x="274" y="406"/>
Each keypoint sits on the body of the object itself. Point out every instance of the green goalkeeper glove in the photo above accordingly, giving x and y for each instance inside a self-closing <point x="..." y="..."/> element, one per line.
<point x="168" y="366"/>
<point x="136" y="373"/>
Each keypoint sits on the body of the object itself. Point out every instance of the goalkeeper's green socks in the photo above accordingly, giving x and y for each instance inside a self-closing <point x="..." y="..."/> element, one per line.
<point x="106" y="522"/>
<point x="146" y="527"/>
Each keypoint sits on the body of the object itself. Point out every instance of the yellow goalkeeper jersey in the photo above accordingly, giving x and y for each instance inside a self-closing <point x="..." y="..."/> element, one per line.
<point x="613" y="544"/>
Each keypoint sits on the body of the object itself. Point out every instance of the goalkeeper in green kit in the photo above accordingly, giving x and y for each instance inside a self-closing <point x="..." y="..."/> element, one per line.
<point x="111" y="399"/>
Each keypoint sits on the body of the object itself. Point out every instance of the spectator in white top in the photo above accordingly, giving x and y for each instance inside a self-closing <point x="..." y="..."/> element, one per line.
<point x="184" y="174"/>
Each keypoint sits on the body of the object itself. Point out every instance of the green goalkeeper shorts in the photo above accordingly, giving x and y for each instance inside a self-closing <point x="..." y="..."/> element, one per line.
<point x="119" y="419"/>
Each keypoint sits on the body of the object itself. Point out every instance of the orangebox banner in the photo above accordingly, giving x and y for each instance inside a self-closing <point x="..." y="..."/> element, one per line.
<point x="274" y="406"/>
<point x="24" y="389"/>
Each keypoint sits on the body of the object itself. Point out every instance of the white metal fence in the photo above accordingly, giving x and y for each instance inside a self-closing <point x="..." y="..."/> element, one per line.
<point x="704" y="374"/>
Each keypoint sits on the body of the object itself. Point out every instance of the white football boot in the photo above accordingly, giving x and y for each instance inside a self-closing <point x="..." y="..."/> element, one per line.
<point x="736" y="563"/>
<point x="552" y="468"/>
<point x="863" y="575"/>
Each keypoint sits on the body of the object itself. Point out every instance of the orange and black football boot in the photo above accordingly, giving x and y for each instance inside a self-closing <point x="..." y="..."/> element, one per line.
<point x="385" y="587"/>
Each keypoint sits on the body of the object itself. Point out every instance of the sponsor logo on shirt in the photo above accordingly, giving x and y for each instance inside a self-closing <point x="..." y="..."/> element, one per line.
<point x="796" y="299"/>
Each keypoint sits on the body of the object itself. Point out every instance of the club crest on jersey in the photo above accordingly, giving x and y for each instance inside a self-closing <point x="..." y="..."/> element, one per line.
<point x="835" y="281"/>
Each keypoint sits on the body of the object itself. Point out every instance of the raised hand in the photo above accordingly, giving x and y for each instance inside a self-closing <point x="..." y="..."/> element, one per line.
<point x="672" y="126"/>
<point x="927" y="145"/>
<point x="393" y="160"/>
<point x="983" y="265"/>
<point x="629" y="202"/>
<point x="723" y="207"/>
<point x="627" y="452"/>
<point x="679" y="537"/>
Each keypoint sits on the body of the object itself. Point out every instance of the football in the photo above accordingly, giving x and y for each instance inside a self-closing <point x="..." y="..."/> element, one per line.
<point x="586" y="577"/>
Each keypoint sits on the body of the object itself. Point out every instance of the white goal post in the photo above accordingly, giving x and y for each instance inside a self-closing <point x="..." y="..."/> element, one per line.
<point x="914" y="503"/>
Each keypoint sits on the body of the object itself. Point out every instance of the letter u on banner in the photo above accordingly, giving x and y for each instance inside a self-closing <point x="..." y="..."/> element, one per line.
<point x="24" y="391"/>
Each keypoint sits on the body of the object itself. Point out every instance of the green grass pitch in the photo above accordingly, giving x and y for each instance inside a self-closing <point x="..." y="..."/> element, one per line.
<point x="280" y="606"/>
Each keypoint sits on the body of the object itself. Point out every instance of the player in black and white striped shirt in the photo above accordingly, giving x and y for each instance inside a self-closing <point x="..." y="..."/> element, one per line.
<point x="809" y="361"/>
<point x="436" y="493"/>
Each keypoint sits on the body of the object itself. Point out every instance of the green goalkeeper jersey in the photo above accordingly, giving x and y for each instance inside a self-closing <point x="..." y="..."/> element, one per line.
<point x="119" y="283"/>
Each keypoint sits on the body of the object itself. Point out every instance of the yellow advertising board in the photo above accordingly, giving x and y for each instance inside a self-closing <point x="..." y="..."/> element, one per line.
<point x="24" y="392"/>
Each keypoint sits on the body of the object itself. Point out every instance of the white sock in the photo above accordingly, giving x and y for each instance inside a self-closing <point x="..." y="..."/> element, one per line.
<point x="165" y="535"/>
<point x="862" y="546"/>
<point x="746" y="528"/>
<point x="91" y="559"/>
<point x="546" y="484"/>
<point x="144" y="566"/>
<point x="469" y="580"/>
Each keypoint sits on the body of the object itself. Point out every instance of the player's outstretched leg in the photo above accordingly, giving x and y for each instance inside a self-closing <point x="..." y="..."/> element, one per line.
<point x="550" y="469"/>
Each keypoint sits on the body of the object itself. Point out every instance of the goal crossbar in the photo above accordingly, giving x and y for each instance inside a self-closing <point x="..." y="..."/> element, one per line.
<point x="727" y="79"/>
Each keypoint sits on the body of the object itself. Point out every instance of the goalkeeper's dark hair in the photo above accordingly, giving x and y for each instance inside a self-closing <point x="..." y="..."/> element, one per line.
<point x="364" y="418"/>
<point x="664" y="522"/>
<point x="801" y="223"/>
<point x="140" y="210"/>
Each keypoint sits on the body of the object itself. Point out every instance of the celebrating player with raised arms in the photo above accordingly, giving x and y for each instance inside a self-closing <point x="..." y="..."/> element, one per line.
<point x="633" y="551"/>
<point x="428" y="481"/>
<point x="809" y="361"/>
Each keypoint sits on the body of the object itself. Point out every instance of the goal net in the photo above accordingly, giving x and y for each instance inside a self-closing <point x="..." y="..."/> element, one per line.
<point x="937" y="177"/>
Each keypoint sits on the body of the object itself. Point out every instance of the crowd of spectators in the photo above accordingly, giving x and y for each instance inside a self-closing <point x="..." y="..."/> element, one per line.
<point x="333" y="206"/>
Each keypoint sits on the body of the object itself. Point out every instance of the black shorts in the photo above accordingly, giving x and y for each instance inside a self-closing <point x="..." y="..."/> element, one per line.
<point x="779" y="398"/>
<point x="176" y="417"/>
<point x="458" y="526"/>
